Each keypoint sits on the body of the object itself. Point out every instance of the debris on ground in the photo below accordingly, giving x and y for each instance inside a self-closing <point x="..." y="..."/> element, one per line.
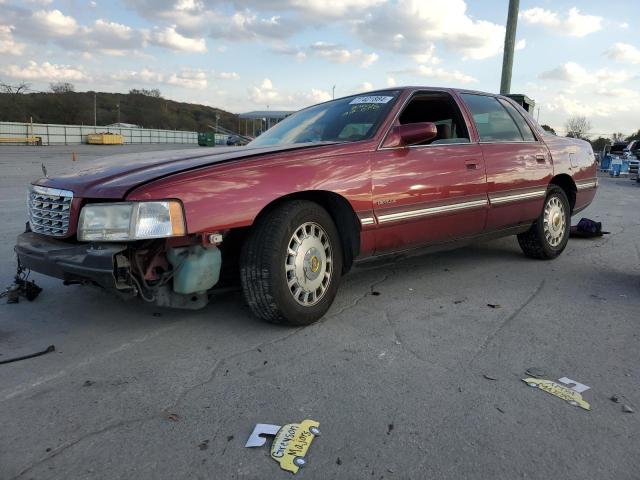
<point x="500" y="410"/>
<point x="615" y="398"/>
<point x="88" y="383"/>
<point x="49" y="349"/>
<point x="375" y="293"/>
<point x="573" y="385"/>
<point x="494" y="305"/>
<point x="535" y="372"/>
<point x="587" y="228"/>
<point x="489" y="377"/>
<point x="338" y="461"/>
<point x="627" y="409"/>
<point x="174" y="417"/>
<point x="203" y="445"/>
<point x="570" y="395"/>
<point x="291" y="442"/>
<point x="21" y="286"/>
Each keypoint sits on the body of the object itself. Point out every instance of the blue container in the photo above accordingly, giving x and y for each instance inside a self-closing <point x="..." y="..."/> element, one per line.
<point x="197" y="269"/>
<point x="605" y="163"/>
<point x="615" y="170"/>
<point x="624" y="169"/>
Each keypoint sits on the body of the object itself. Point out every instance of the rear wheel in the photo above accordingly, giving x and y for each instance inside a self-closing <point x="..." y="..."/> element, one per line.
<point x="291" y="264"/>
<point x="548" y="236"/>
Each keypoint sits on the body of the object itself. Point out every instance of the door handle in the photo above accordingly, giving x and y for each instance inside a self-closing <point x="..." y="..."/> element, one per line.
<point x="541" y="158"/>
<point x="471" y="164"/>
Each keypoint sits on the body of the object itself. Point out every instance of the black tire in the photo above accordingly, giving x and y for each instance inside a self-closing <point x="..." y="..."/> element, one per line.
<point x="262" y="264"/>
<point x="534" y="242"/>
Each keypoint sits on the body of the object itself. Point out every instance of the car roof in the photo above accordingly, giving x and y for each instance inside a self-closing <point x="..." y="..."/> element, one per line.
<point x="426" y="87"/>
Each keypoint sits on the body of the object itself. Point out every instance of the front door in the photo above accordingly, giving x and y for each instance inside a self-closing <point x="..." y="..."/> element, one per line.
<point x="431" y="193"/>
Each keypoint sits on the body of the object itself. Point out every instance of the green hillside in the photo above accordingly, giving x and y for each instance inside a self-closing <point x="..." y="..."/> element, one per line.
<point x="144" y="108"/>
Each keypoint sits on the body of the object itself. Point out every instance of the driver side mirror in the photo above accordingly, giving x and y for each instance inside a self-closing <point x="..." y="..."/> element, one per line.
<point x="410" y="134"/>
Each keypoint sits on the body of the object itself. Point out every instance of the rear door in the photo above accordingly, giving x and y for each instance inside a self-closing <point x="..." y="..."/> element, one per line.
<point x="430" y="193"/>
<point x="518" y="164"/>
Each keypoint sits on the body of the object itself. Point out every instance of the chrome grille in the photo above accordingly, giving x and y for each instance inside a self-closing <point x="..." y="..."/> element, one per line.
<point x="49" y="210"/>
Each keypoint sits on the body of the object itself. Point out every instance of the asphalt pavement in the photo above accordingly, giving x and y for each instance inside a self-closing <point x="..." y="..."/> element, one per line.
<point x="411" y="374"/>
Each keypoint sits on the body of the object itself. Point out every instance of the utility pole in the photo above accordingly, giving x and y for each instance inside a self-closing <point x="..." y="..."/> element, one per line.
<point x="509" y="46"/>
<point x="333" y="92"/>
<point x="95" y="111"/>
<point x="118" y="105"/>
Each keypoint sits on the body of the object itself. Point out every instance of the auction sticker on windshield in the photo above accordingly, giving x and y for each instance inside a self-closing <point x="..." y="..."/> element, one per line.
<point x="371" y="99"/>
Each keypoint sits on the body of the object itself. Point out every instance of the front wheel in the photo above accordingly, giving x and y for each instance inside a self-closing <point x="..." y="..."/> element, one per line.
<point x="291" y="264"/>
<point x="548" y="236"/>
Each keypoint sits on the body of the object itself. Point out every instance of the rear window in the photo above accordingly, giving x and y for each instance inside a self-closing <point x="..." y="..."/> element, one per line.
<point x="493" y="122"/>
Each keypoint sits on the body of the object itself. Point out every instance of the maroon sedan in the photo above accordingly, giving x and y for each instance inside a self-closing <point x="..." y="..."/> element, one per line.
<point x="288" y="214"/>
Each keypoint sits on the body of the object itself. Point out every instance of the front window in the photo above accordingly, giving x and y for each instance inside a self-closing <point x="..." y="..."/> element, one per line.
<point x="344" y="120"/>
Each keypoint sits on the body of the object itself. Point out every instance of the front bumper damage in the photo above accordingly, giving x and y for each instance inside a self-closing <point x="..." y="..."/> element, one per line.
<point x="71" y="262"/>
<point x="117" y="267"/>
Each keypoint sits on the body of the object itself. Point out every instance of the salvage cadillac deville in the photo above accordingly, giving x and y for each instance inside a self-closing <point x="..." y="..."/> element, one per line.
<point x="288" y="214"/>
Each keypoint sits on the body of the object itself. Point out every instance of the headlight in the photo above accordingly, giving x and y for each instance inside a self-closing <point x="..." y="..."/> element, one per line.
<point x="112" y="222"/>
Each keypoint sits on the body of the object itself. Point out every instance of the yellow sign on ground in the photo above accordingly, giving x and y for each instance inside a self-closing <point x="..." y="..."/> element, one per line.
<point x="292" y="442"/>
<point x="560" y="391"/>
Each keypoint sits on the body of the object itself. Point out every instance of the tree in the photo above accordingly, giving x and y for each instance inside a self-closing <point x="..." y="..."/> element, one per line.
<point x="154" y="92"/>
<point x="577" y="127"/>
<point x="22" y="87"/>
<point x="599" y="143"/>
<point x="549" y="129"/>
<point x="62" y="87"/>
<point x="635" y="136"/>
<point x="617" y="137"/>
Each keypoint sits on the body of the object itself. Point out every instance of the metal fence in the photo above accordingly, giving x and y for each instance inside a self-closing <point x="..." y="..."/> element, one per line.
<point x="52" y="134"/>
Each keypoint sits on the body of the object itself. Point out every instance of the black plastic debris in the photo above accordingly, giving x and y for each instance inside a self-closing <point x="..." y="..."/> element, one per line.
<point x="49" y="349"/>
<point x="587" y="228"/>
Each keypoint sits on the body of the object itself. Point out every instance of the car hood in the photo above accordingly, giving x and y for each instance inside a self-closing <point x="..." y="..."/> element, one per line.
<point x="114" y="176"/>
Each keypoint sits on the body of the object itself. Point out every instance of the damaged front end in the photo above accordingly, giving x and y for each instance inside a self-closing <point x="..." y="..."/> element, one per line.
<point x="173" y="272"/>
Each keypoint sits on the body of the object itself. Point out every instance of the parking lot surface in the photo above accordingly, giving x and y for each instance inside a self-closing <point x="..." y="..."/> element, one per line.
<point x="411" y="374"/>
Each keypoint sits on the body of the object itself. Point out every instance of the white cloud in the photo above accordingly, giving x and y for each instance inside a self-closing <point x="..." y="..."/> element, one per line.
<point x="266" y="94"/>
<point x="413" y="27"/>
<point x="8" y="46"/>
<point x="145" y="76"/>
<point x="338" y="54"/>
<point x="391" y="82"/>
<point x="168" y="37"/>
<point x="54" y="23"/>
<point x="189" y="78"/>
<point x="45" y="72"/>
<point x="441" y="74"/>
<point x="589" y="108"/>
<point x="521" y="44"/>
<point x="623" y="52"/>
<point x="576" y="75"/>
<point x="227" y="75"/>
<point x="365" y="87"/>
<point x="626" y="93"/>
<point x="573" y="24"/>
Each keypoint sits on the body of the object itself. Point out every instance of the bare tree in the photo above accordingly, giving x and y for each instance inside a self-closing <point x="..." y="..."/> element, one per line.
<point x="617" y="137"/>
<point x="62" y="87"/>
<point x="577" y="127"/>
<point x="14" y="89"/>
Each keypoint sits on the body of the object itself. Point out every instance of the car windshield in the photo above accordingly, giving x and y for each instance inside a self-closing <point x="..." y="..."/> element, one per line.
<point x="347" y="119"/>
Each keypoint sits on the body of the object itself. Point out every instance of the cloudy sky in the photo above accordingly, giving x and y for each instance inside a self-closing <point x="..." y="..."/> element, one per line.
<point x="575" y="57"/>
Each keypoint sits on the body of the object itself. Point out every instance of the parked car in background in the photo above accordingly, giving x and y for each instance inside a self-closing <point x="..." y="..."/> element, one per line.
<point x="289" y="214"/>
